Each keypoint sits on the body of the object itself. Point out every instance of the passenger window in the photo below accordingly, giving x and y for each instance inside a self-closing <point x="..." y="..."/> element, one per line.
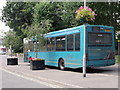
<point x="77" y="42"/>
<point x="28" y="46"/>
<point x="51" y="44"/>
<point x="70" y="41"/>
<point x="60" y="43"/>
<point x="43" y="45"/>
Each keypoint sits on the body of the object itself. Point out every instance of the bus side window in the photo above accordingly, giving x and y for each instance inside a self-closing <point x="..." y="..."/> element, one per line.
<point x="35" y="46"/>
<point x="60" y="43"/>
<point x="77" y="42"/>
<point x="43" y="44"/>
<point x="70" y="43"/>
<point x="28" y="46"/>
<point x="51" y="44"/>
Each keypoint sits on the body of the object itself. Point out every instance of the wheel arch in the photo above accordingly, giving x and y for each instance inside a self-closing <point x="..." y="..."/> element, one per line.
<point x="60" y="59"/>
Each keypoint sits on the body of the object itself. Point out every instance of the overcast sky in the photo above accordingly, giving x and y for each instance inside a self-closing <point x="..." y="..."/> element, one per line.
<point x="3" y="28"/>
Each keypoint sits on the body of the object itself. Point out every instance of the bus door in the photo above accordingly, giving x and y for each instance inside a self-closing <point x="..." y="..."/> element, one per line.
<point x="25" y="56"/>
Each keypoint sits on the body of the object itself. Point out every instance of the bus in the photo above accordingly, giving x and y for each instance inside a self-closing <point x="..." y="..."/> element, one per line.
<point x="2" y="51"/>
<point x="65" y="48"/>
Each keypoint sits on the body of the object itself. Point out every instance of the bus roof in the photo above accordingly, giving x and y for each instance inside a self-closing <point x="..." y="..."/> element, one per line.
<point x="65" y="30"/>
<point x="52" y="34"/>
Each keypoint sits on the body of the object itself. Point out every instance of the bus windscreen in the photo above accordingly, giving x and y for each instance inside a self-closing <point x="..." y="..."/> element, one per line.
<point x="99" y="38"/>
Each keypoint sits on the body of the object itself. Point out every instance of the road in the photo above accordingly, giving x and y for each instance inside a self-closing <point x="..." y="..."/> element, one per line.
<point x="10" y="80"/>
<point x="51" y="77"/>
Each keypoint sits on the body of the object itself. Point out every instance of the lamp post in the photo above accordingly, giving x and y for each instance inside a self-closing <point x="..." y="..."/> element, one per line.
<point x="84" y="3"/>
<point x="84" y="57"/>
<point x="10" y="51"/>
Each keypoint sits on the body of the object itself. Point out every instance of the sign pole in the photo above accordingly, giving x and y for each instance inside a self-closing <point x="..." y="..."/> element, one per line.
<point x="84" y="57"/>
<point x="84" y="3"/>
<point x="10" y="50"/>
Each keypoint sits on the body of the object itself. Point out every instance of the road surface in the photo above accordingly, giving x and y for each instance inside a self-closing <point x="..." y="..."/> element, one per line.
<point x="102" y="77"/>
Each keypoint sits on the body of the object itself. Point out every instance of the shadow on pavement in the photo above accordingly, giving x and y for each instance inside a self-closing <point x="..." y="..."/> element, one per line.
<point x="88" y="70"/>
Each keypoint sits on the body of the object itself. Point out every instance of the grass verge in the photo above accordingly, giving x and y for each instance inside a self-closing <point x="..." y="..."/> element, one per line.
<point x="117" y="58"/>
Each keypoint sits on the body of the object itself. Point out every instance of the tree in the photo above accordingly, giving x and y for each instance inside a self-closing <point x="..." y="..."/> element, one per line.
<point x="37" y="30"/>
<point x="18" y="15"/>
<point x="108" y="13"/>
<point x="11" y="39"/>
<point x="28" y="19"/>
<point x="47" y="11"/>
<point x="68" y="13"/>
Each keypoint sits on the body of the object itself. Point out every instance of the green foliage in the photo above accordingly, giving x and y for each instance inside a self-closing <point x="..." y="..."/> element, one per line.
<point x="29" y="19"/>
<point x="11" y="39"/>
<point x="18" y="15"/>
<point x="119" y="37"/>
<point x="51" y="17"/>
<point x="117" y="57"/>
<point x="107" y="13"/>
<point x="47" y="11"/>
<point x="61" y="15"/>
<point x="67" y="14"/>
<point x="37" y="30"/>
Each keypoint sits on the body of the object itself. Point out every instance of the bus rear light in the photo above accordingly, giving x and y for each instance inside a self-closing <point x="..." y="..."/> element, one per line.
<point x="113" y="55"/>
<point x="86" y="56"/>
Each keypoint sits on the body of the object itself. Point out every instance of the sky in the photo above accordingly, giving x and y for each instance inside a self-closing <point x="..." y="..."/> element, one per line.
<point x="3" y="27"/>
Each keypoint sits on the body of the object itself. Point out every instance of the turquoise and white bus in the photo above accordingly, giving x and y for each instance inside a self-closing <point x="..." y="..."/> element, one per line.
<point x="65" y="48"/>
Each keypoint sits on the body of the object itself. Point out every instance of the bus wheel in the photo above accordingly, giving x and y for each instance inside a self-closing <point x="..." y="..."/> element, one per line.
<point x="61" y="64"/>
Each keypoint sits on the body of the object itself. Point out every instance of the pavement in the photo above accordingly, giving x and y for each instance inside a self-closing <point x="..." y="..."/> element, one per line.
<point x="102" y="77"/>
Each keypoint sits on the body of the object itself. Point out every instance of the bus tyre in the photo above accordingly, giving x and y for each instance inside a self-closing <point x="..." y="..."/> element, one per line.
<point x="61" y="64"/>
